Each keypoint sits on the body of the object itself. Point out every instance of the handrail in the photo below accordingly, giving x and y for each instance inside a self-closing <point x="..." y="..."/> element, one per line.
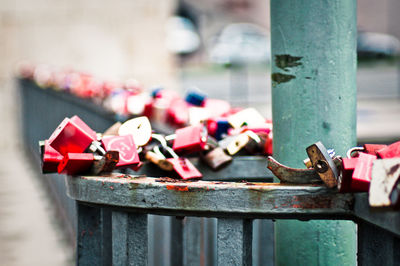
<point x="211" y="199"/>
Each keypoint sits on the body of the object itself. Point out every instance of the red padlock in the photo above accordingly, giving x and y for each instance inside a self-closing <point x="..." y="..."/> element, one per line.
<point x="182" y="166"/>
<point x="391" y="151"/>
<point x="190" y="139"/>
<point x="50" y="159"/>
<point x="178" y="112"/>
<point x="76" y="163"/>
<point x="362" y="172"/>
<point x="72" y="135"/>
<point x="344" y="182"/>
<point x="373" y="148"/>
<point x="128" y="154"/>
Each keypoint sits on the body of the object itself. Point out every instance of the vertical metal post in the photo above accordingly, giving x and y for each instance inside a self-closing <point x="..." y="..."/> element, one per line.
<point x="313" y="98"/>
<point x="93" y="238"/>
<point x="234" y="241"/>
<point x="129" y="238"/>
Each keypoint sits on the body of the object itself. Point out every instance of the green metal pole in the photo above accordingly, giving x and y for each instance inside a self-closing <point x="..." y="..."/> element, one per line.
<point x="313" y="98"/>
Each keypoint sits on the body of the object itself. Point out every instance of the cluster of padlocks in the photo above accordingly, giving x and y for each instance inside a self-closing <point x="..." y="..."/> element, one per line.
<point x="208" y="128"/>
<point x="76" y="149"/>
<point x="373" y="168"/>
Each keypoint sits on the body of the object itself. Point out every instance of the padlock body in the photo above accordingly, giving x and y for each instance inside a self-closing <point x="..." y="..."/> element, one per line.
<point x="190" y="139"/>
<point x="70" y="137"/>
<point x="184" y="168"/>
<point x="75" y="163"/>
<point x="391" y="151"/>
<point x="216" y="158"/>
<point x="125" y="145"/>
<point x="344" y="182"/>
<point x="51" y="159"/>
<point x="361" y="177"/>
<point x="373" y="148"/>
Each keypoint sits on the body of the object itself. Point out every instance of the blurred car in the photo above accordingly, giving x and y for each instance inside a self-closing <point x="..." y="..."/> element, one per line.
<point x="182" y="37"/>
<point x="241" y="43"/>
<point x="377" y="45"/>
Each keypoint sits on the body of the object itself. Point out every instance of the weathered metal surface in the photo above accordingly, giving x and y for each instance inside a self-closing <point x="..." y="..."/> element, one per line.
<point x="93" y="243"/>
<point x="376" y="246"/>
<point x="292" y="175"/>
<point x="234" y="241"/>
<point x="206" y="198"/>
<point x="313" y="48"/>
<point x="129" y="238"/>
<point x="387" y="219"/>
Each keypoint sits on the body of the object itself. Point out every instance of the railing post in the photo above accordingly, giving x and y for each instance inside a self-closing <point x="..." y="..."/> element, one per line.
<point x="313" y="98"/>
<point x="129" y="238"/>
<point x="234" y="241"/>
<point x="93" y="236"/>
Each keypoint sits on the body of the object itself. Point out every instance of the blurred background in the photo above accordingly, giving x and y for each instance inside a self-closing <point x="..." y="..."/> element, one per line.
<point x="219" y="46"/>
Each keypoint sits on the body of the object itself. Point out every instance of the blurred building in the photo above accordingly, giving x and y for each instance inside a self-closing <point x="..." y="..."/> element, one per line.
<point x="113" y="39"/>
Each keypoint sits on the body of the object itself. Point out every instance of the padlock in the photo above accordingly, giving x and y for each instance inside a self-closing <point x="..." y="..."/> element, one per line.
<point x="195" y="97"/>
<point x="323" y="164"/>
<point x="249" y="116"/>
<point x="373" y="148"/>
<point x="215" y="157"/>
<point x="345" y="179"/>
<point x="125" y="145"/>
<point x="72" y="135"/>
<point x="76" y="163"/>
<point x="182" y="166"/>
<point x="216" y="107"/>
<point x="385" y="177"/>
<point x="198" y="115"/>
<point x="238" y="142"/>
<point x="361" y="177"/>
<point x="139" y="128"/>
<point x="88" y="163"/>
<point x="391" y="151"/>
<point x="190" y="139"/>
<point x="104" y="164"/>
<point x="178" y="112"/>
<point x="156" y="156"/>
<point x="268" y="148"/>
<point x="256" y="145"/>
<point x="135" y="104"/>
<point x="113" y="130"/>
<point x="159" y="159"/>
<point x="50" y="158"/>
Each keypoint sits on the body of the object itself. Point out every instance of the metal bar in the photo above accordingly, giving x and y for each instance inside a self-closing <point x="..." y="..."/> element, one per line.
<point x="129" y="238"/>
<point x="92" y="247"/>
<point x="377" y="246"/>
<point x="192" y="241"/>
<point x="313" y="47"/>
<point x="234" y="241"/>
<point x="214" y="199"/>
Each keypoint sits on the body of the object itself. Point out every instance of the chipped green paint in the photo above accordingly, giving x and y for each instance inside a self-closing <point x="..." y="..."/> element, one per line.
<point x="319" y="105"/>
<point x="280" y="78"/>
<point x="285" y="61"/>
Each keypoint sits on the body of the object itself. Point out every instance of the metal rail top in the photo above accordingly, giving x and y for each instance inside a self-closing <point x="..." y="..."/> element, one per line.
<point x="211" y="199"/>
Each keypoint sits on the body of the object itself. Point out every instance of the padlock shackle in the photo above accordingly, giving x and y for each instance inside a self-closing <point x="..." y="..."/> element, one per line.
<point x="354" y="149"/>
<point x="157" y="151"/>
<point x="160" y="138"/>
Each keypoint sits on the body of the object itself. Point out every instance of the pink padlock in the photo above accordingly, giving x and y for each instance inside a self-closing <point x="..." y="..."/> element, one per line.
<point x="391" y="151"/>
<point x="128" y="154"/>
<point x="190" y="139"/>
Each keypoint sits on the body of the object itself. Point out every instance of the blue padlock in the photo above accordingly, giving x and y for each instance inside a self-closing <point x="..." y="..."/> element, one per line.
<point x="195" y="98"/>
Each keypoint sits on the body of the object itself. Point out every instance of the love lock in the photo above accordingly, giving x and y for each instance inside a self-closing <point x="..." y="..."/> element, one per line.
<point x="323" y="168"/>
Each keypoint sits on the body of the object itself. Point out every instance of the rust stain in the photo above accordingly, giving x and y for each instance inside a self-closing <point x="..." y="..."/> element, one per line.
<point x="177" y="188"/>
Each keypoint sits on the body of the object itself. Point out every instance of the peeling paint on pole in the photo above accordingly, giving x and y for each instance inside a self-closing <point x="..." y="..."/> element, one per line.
<point x="313" y="99"/>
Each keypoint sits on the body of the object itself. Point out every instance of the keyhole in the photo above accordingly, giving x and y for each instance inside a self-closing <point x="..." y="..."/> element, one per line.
<point x="321" y="166"/>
